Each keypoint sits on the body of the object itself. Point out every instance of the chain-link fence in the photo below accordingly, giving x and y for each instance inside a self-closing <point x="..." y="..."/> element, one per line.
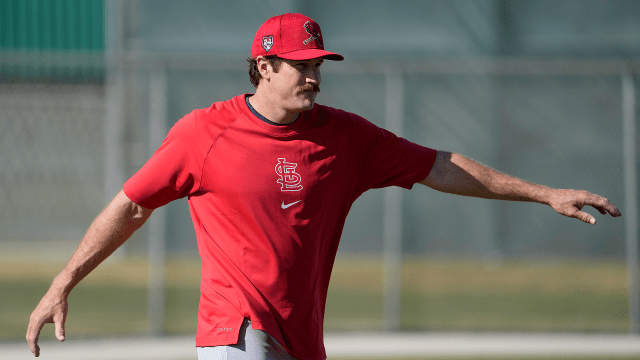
<point x="51" y="151"/>
<point x="562" y="130"/>
<point x="547" y="122"/>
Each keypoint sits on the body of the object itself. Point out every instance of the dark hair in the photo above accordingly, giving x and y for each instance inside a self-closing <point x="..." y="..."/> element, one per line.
<point x="254" y="74"/>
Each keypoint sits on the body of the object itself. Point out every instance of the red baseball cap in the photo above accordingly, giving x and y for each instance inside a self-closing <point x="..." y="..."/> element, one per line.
<point x="291" y="36"/>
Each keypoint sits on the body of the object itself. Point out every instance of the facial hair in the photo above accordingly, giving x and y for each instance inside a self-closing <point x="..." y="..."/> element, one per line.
<point x="311" y="87"/>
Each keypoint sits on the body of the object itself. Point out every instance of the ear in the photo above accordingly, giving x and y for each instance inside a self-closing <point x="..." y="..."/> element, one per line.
<point x="264" y="68"/>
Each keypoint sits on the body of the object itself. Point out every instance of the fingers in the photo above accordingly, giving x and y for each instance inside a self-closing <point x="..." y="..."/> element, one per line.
<point x="59" y="320"/>
<point x="36" y="325"/>
<point x="603" y="205"/>
<point x="585" y="217"/>
<point x="588" y="219"/>
<point x="47" y="311"/>
<point x="33" y="333"/>
<point x="600" y="203"/>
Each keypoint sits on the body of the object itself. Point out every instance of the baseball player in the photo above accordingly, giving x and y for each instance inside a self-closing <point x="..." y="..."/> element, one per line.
<point x="270" y="178"/>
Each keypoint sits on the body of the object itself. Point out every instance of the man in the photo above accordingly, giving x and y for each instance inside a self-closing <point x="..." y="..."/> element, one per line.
<point x="270" y="179"/>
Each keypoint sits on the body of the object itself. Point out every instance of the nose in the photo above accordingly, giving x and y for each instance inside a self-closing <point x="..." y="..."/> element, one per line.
<point x="313" y="75"/>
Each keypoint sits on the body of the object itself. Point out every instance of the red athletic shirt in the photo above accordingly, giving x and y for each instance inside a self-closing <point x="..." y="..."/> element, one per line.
<point x="268" y="205"/>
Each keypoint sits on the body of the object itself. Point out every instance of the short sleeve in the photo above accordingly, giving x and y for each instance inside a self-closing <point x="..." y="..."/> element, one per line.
<point x="174" y="170"/>
<point x="389" y="160"/>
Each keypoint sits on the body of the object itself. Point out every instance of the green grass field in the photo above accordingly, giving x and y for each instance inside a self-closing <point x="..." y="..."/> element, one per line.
<point x="438" y="294"/>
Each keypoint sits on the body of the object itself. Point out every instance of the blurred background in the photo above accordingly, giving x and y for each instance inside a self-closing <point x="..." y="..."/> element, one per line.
<point x="537" y="89"/>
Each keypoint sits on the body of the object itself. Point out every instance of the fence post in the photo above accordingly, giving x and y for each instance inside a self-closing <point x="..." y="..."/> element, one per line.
<point x="115" y="86"/>
<point x="156" y="225"/>
<point x="631" y="196"/>
<point x="392" y="223"/>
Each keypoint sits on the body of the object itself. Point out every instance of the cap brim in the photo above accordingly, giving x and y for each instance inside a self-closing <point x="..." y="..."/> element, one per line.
<point x="308" y="54"/>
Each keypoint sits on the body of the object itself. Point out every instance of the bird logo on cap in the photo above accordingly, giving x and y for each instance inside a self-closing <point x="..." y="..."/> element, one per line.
<point x="315" y="35"/>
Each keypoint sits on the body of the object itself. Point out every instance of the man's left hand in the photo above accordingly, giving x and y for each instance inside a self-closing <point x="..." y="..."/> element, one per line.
<point x="570" y="203"/>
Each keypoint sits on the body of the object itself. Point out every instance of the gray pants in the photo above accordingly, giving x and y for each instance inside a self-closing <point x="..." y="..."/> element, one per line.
<point x="252" y="345"/>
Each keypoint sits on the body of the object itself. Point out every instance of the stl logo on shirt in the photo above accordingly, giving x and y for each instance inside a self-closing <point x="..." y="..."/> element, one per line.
<point x="289" y="178"/>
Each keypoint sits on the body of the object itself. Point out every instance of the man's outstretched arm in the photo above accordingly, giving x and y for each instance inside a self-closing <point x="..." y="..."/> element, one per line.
<point x="456" y="174"/>
<point x="110" y="229"/>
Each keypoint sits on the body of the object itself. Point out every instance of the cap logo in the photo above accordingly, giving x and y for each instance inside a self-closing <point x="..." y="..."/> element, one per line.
<point x="267" y="42"/>
<point x="315" y="35"/>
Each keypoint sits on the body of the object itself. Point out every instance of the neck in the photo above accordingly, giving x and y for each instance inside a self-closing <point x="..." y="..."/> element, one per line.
<point x="267" y="108"/>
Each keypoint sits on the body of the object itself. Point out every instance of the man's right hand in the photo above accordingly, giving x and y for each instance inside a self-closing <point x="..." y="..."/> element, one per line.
<point x="52" y="309"/>
<point x="109" y="230"/>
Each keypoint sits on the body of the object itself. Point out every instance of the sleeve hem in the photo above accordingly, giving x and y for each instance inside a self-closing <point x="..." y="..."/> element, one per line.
<point x="128" y="192"/>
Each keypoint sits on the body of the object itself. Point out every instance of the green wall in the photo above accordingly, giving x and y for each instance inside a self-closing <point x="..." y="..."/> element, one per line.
<point x="51" y="25"/>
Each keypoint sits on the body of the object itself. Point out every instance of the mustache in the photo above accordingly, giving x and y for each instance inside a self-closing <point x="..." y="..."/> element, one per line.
<point x="311" y="87"/>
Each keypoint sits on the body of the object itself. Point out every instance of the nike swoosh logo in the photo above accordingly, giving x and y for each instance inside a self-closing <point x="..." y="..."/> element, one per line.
<point x="289" y="205"/>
